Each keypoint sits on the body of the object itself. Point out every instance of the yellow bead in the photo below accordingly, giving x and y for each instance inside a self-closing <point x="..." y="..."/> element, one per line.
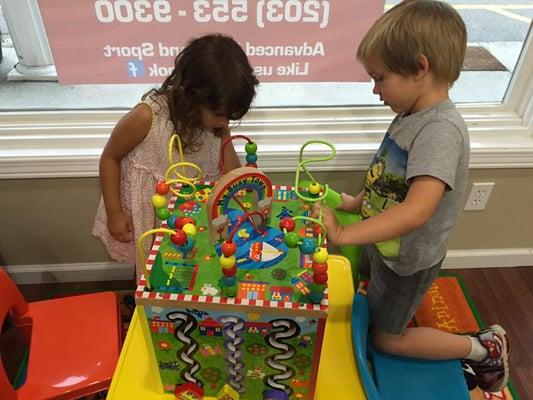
<point x="320" y="256"/>
<point x="189" y="229"/>
<point x="314" y="188"/>
<point x="159" y="201"/>
<point x="227" y="262"/>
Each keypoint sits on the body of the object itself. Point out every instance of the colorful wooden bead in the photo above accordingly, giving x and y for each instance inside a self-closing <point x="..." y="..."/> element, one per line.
<point x="308" y="246"/>
<point x="159" y="201"/>
<point x="188" y="246"/>
<point x="162" y="213"/>
<point x="227" y="262"/>
<point x="287" y="223"/>
<point x="229" y="271"/>
<point x="314" y="188"/>
<point x="321" y="279"/>
<point x="250" y="148"/>
<point x="189" y="229"/>
<point x="162" y="188"/>
<point x="179" y="238"/>
<point x="321" y="255"/>
<point x="228" y="248"/>
<point x="319" y="268"/>
<point x="291" y="239"/>
<point x="171" y="222"/>
<point x="229" y="280"/>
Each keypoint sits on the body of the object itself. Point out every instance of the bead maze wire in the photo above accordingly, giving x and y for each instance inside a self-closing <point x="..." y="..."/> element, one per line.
<point x="184" y="234"/>
<point x="250" y="148"/>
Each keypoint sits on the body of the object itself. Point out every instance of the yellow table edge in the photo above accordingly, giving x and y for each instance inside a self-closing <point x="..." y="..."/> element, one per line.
<point x="337" y="376"/>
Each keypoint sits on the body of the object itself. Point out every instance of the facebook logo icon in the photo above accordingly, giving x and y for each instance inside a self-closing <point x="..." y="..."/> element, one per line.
<point x="135" y="68"/>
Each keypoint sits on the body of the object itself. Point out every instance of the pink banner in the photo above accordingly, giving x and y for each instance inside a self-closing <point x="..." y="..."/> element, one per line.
<point x="136" y="41"/>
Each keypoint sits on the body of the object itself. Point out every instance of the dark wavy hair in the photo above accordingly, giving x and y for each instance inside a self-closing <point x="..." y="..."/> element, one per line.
<point x="211" y="71"/>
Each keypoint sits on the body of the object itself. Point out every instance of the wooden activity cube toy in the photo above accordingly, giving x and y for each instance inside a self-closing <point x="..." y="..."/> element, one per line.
<point x="235" y="309"/>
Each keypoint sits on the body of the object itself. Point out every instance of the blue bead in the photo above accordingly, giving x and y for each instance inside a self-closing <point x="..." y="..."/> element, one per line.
<point x="229" y="281"/>
<point x="187" y="247"/>
<point x="308" y="246"/>
<point x="251" y="158"/>
<point x="171" y="222"/>
<point x="316" y="298"/>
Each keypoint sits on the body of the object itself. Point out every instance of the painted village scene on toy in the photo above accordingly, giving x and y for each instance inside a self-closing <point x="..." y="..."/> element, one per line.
<point x="234" y="295"/>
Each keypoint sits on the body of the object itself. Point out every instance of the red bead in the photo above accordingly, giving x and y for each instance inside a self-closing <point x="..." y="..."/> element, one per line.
<point x="184" y="220"/>
<point x="253" y="165"/>
<point x="228" y="248"/>
<point x="179" y="238"/>
<point x="321" y="279"/>
<point x="320" y="268"/>
<point x="317" y="230"/>
<point x="162" y="188"/>
<point x="230" y="271"/>
<point x="287" y="223"/>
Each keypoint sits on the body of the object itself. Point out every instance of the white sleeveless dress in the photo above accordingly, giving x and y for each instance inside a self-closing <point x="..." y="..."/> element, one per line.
<point x="140" y="171"/>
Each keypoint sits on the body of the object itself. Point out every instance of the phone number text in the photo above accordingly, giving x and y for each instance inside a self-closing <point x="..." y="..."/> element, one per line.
<point x="265" y="12"/>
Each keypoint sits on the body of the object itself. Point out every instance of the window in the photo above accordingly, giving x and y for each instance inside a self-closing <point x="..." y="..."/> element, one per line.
<point x="48" y="130"/>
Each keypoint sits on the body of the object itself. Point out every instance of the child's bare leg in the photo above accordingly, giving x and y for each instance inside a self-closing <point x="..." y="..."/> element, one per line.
<point x="428" y="343"/>
<point x="486" y="351"/>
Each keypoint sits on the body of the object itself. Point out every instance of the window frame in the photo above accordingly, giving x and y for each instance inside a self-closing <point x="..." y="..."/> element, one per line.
<point x="61" y="144"/>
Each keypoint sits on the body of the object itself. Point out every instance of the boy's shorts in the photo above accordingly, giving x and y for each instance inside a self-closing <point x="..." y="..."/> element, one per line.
<point x="393" y="299"/>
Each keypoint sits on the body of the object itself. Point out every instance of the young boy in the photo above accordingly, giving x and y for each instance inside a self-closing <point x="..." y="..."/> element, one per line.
<point x="415" y="186"/>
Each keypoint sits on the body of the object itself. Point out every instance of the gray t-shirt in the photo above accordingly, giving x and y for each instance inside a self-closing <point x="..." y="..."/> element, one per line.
<point x="431" y="142"/>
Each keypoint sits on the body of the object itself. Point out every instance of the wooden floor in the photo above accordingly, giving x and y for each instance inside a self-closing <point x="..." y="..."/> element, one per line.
<point x="501" y="295"/>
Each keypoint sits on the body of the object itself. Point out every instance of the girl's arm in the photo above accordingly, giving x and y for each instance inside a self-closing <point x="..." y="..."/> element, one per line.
<point x="231" y="161"/>
<point x="127" y="134"/>
<point x="421" y="202"/>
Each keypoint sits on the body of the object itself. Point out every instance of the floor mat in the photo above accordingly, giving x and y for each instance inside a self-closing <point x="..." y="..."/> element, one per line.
<point x="448" y="306"/>
<point x="478" y="58"/>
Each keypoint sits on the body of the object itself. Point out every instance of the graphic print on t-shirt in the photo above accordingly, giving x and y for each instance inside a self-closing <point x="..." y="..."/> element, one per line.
<point x="385" y="187"/>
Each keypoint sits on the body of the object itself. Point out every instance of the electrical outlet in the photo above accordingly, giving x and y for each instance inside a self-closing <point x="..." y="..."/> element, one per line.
<point x="479" y="195"/>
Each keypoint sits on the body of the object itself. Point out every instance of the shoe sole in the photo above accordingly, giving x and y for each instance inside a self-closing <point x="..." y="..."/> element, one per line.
<point x="501" y="332"/>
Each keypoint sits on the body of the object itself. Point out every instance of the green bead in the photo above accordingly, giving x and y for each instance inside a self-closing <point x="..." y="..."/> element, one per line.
<point x="250" y="148"/>
<point x="186" y="189"/>
<point x="230" y="291"/>
<point x="163" y="213"/>
<point x="316" y="288"/>
<point x="291" y="240"/>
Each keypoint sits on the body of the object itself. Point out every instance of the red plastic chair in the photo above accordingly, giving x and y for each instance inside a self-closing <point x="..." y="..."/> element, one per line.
<point x="74" y="343"/>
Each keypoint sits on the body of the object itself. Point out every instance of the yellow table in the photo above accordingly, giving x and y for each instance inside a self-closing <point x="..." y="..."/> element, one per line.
<point x="337" y="374"/>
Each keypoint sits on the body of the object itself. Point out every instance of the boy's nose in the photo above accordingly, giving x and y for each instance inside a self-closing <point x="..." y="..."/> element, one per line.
<point x="375" y="90"/>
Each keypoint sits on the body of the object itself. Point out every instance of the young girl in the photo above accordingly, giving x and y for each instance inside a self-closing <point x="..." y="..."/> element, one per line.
<point x="212" y="83"/>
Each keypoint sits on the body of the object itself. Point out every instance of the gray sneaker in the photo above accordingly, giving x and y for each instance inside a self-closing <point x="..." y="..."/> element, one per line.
<point x="492" y="373"/>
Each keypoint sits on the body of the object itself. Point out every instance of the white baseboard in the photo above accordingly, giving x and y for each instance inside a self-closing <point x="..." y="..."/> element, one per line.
<point x="109" y="271"/>
<point x="80" y="272"/>
<point x="488" y="258"/>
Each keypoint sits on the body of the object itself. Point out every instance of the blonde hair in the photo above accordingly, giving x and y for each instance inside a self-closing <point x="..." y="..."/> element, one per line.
<point x="415" y="27"/>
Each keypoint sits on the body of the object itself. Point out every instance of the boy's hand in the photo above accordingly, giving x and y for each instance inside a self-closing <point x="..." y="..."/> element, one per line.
<point x="119" y="226"/>
<point x="348" y="202"/>
<point x="333" y="229"/>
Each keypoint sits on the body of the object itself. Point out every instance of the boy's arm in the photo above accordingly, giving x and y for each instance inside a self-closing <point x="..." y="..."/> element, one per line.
<point x="422" y="200"/>
<point x="231" y="161"/>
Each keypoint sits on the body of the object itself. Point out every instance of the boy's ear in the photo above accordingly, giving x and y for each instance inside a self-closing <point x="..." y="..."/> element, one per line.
<point x="423" y="67"/>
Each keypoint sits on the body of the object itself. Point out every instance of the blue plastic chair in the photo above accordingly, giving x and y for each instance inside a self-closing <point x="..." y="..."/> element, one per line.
<point x="400" y="378"/>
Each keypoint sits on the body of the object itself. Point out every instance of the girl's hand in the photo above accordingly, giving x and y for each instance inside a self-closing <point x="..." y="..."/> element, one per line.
<point x="120" y="226"/>
<point x="333" y="229"/>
